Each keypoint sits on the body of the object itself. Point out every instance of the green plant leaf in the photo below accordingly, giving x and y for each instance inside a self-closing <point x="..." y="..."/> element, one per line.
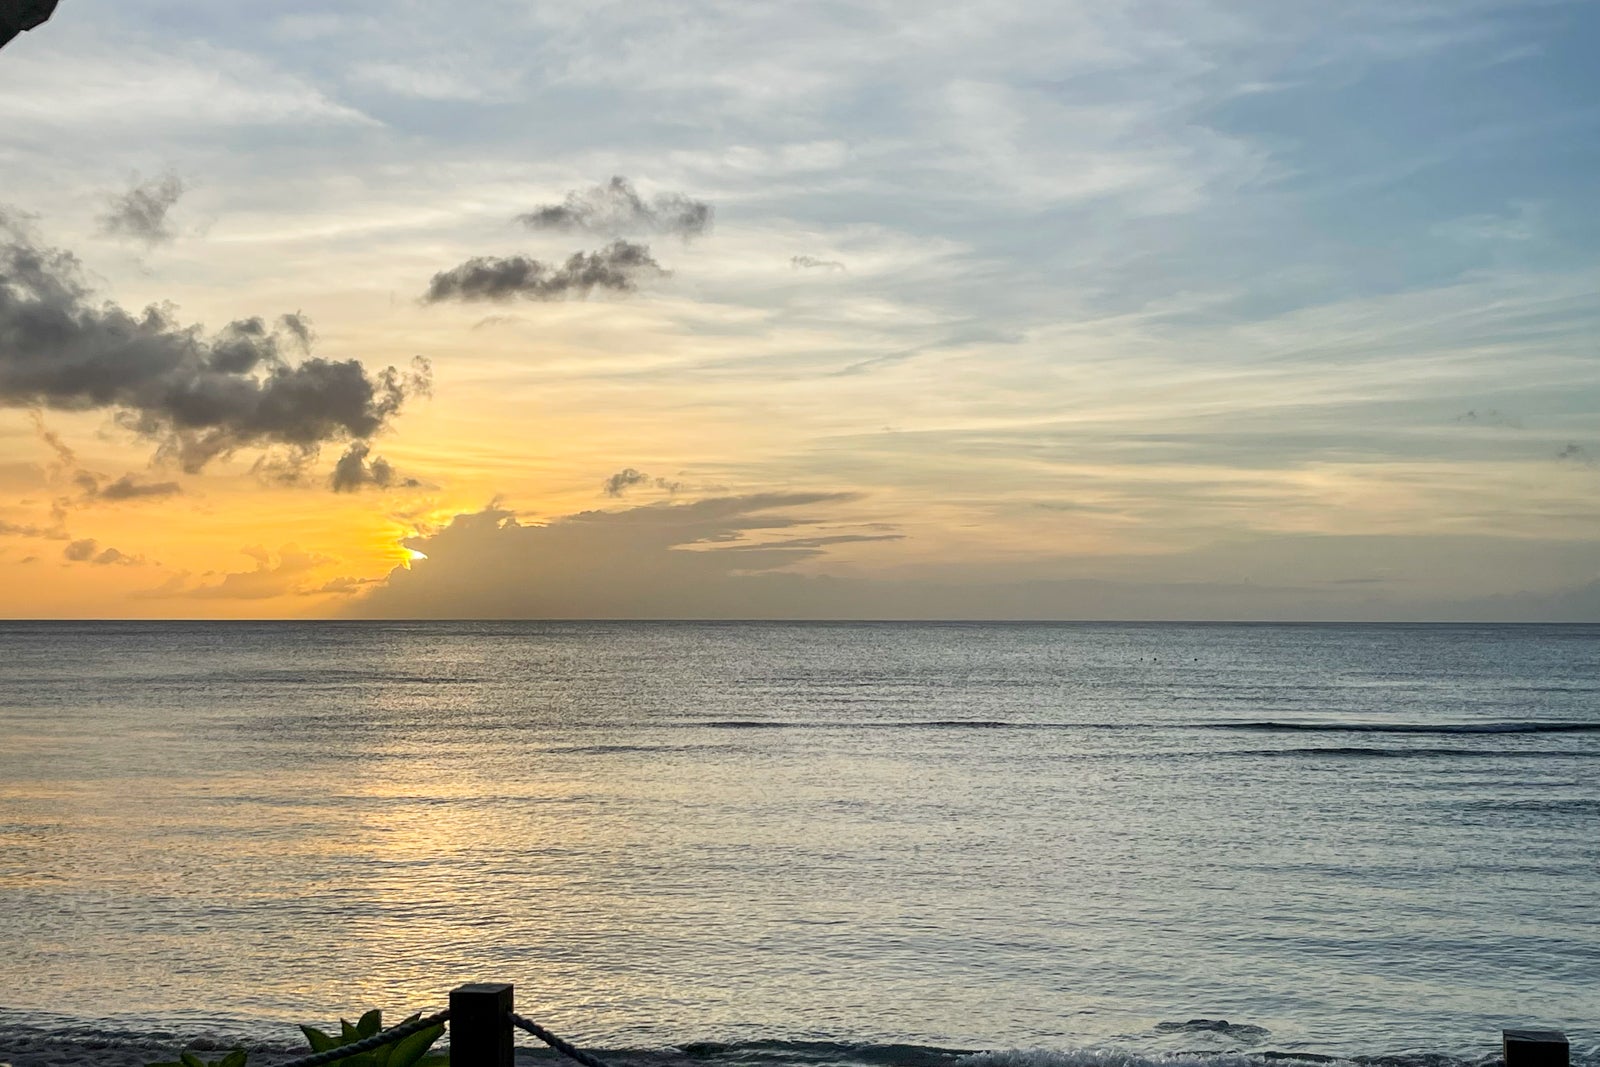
<point x="409" y="1050"/>
<point x="436" y="1059"/>
<point x="348" y="1034"/>
<point x="235" y="1058"/>
<point x="319" y="1041"/>
<point x="189" y="1059"/>
<point x="370" y="1023"/>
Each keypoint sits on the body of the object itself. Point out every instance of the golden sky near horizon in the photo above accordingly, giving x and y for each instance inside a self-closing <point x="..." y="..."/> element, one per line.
<point x="1140" y="311"/>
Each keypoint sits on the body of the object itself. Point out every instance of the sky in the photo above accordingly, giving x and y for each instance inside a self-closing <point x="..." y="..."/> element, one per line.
<point x="1165" y="309"/>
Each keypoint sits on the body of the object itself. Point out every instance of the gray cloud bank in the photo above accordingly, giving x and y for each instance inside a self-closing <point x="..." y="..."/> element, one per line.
<point x="141" y="213"/>
<point x="616" y="208"/>
<point x="698" y="561"/>
<point x="656" y="561"/>
<point x="198" y="397"/>
<point x="617" y="268"/>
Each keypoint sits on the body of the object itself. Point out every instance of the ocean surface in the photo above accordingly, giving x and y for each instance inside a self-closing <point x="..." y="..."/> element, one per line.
<point x="809" y="843"/>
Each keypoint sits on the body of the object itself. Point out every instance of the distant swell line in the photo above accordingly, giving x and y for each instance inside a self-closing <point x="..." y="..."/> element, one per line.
<point x="1412" y="728"/>
<point x="1265" y="726"/>
<point x="1419" y="752"/>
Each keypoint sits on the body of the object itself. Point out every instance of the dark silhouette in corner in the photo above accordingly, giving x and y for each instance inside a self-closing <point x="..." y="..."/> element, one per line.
<point x="19" y="15"/>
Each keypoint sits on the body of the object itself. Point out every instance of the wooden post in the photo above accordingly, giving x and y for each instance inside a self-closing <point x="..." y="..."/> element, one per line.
<point x="1536" y="1048"/>
<point x="480" y="1025"/>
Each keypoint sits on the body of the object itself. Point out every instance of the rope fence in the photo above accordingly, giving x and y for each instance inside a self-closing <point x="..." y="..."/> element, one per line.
<point x="566" y="1048"/>
<point x="481" y="1029"/>
<point x="482" y="1024"/>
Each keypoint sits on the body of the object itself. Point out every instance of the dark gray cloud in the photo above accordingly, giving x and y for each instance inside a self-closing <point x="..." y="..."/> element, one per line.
<point x="298" y="327"/>
<point x="355" y="471"/>
<point x="813" y="263"/>
<point x="617" y="267"/>
<point x="140" y="214"/>
<point x="126" y="487"/>
<point x="199" y="397"/>
<point x="628" y="478"/>
<point x="1575" y="453"/>
<point x="89" y="551"/>
<point x="616" y="208"/>
<point x="623" y="480"/>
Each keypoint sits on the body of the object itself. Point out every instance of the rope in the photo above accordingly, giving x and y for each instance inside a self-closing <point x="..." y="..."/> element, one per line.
<point x="565" y="1048"/>
<point x="367" y="1044"/>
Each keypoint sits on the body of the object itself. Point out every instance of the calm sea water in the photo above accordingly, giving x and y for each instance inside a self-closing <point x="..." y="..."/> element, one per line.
<point x="801" y="843"/>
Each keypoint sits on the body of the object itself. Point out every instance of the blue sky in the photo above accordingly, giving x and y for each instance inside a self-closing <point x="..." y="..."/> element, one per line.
<point x="1293" y="305"/>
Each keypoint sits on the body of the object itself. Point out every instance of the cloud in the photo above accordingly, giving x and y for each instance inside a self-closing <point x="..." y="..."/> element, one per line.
<point x="813" y="263"/>
<point x="90" y="482"/>
<point x="344" y="586"/>
<point x="710" y="558"/>
<point x="199" y="397"/>
<point x="627" y="478"/>
<point x="140" y="214"/>
<point x="700" y="561"/>
<point x="616" y="267"/>
<point x="79" y="551"/>
<point x="23" y="529"/>
<point x="1574" y="453"/>
<point x="1490" y="417"/>
<point x="1524" y="222"/>
<point x="128" y="488"/>
<point x="89" y="551"/>
<point x="114" y="86"/>
<point x="66" y="458"/>
<point x="616" y="208"/>
<point x="623" y="480"/>
<point x="270" y="577"/>
<point x="298" y="327"/>
<point x="354" y="472"/>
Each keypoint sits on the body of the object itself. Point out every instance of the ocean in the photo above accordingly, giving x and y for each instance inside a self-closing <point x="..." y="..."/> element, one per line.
<point x="741" y="843"/>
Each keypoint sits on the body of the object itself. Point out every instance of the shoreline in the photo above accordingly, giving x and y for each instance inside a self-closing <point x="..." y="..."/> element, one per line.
<point x="27" y="1045"/>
